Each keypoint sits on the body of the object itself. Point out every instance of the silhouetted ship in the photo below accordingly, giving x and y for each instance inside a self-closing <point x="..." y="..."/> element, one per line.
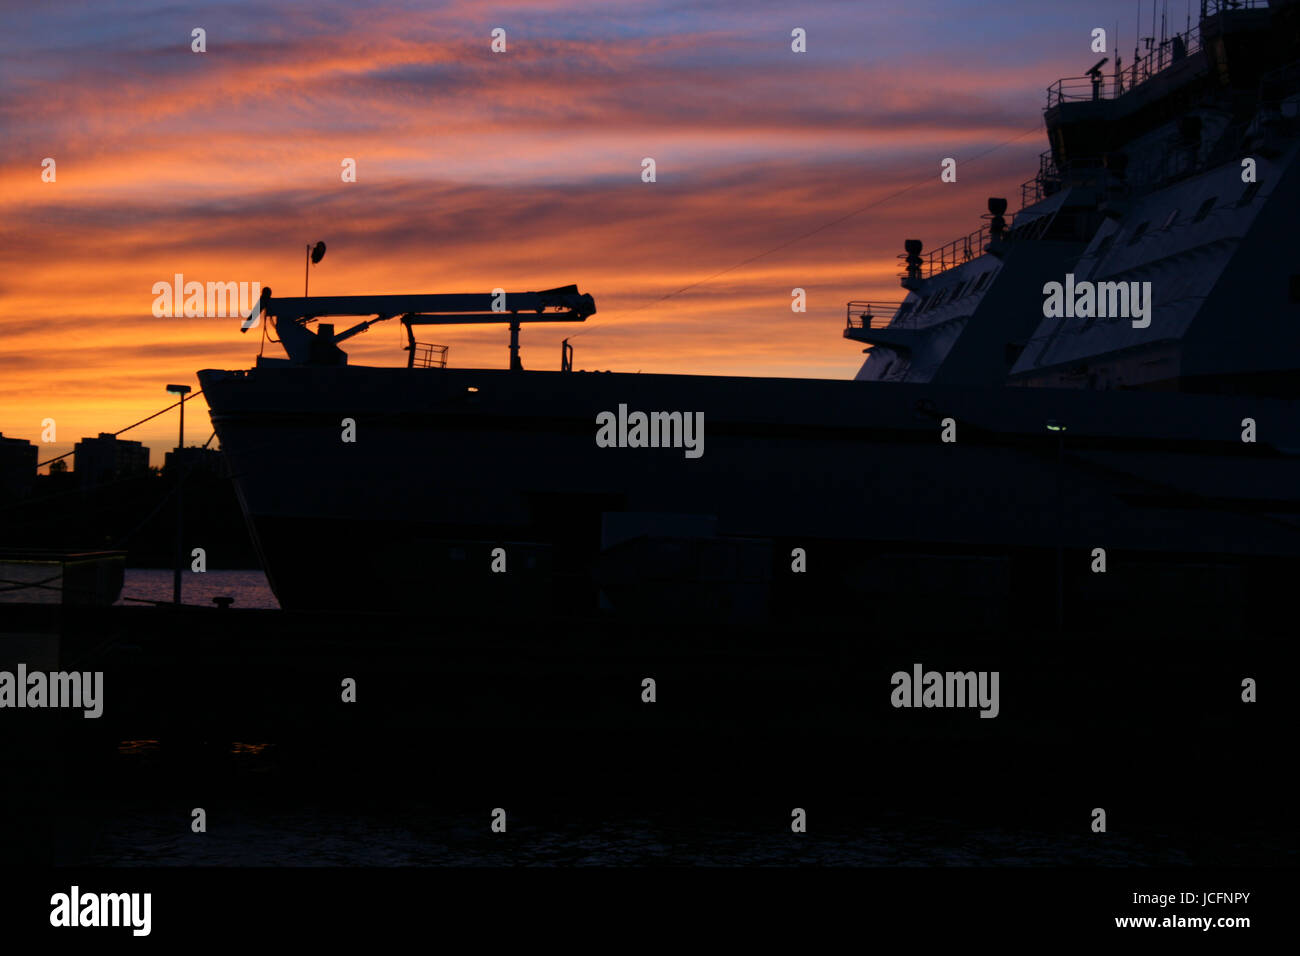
<point x="1005" y="439"/>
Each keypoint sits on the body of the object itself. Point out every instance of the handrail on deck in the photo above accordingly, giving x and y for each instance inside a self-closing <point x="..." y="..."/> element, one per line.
<point x="952" y="254"/>
<point x="1051" y="178"/>
<point x="1159" y="56"/>
<point x="870" y="315"/>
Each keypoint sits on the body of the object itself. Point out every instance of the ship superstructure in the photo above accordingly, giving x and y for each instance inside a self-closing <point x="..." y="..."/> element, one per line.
<point x="989" y="453"/>
<point x="1181" y="172"/>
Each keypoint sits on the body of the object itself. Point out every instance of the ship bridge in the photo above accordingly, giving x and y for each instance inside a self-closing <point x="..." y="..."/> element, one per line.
<point x="1093" y="120"/>
<point x="1143" y="185"/>
<point x="1168" y="142"/>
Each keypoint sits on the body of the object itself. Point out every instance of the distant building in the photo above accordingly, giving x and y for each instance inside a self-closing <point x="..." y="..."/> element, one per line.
<point x="105" y="458"/>
<point x="58" y="481"/>
<point x="17" y="467"/>
<point x="195" y="459"/>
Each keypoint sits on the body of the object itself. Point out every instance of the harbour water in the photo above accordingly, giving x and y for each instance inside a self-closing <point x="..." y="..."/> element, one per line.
<point x="422" y="836"/>
<point x="249" y="588"/>
<point x="400" y="799"/>
<point x="264" y="809"/>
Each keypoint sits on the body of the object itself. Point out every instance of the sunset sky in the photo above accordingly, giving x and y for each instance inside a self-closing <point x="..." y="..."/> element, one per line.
<point x="476" y="170"/>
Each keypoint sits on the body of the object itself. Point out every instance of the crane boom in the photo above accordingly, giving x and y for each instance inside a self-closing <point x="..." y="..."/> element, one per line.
<point x="290" y="316"/>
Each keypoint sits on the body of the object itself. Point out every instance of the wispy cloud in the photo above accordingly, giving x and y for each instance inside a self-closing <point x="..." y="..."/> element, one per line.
<point x="478" y="170"/>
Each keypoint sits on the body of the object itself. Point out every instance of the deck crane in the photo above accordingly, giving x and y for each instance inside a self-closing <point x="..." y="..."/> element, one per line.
<point x="290" y="316"/>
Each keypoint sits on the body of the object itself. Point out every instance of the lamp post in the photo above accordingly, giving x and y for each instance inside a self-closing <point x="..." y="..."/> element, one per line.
<point x="182" y="391"/>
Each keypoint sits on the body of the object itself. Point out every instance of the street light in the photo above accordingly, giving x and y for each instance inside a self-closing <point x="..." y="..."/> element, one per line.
<point x="182" y="391"/>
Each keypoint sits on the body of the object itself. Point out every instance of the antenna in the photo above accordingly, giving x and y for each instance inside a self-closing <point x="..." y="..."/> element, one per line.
<point x="1119" y="61"/>
<point x="1137" y="43"/>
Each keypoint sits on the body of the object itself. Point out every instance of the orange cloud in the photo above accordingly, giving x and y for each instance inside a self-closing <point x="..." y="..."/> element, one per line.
<point x="475" y="171"/>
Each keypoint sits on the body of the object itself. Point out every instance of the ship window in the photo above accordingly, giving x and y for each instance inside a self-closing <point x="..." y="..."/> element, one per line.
<point x="938" y="299"/>
<point x="1205" y="209"/>
<point x="1170" y="219"/>
<point x="1105" y="243"/>
<point x="982" y="281"/>
<point x="1248" y="194"/>
<point x="1138" y="233"/>
<point x="925" y="303"/>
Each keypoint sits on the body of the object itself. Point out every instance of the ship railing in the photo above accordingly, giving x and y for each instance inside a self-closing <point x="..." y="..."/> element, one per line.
<point x="428" y="355"/>
<point x="1044" y="183"/>
<point x="1034" y="190"/>
<point x="1159" y="56"/>
<point x="954" y="253"/>
<point x="870" y="315"/>
<point x="1051" y="179"/>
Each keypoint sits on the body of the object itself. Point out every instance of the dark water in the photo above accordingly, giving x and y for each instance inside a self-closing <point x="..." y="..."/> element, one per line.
<point x="399" y="799"/>
<point x="264" y="811"/>
<point x="248" y="588"/>
<point x="317" y="836"/>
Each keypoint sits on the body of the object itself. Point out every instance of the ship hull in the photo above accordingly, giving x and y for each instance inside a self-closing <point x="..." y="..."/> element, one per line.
<point x="486" y="492"/>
